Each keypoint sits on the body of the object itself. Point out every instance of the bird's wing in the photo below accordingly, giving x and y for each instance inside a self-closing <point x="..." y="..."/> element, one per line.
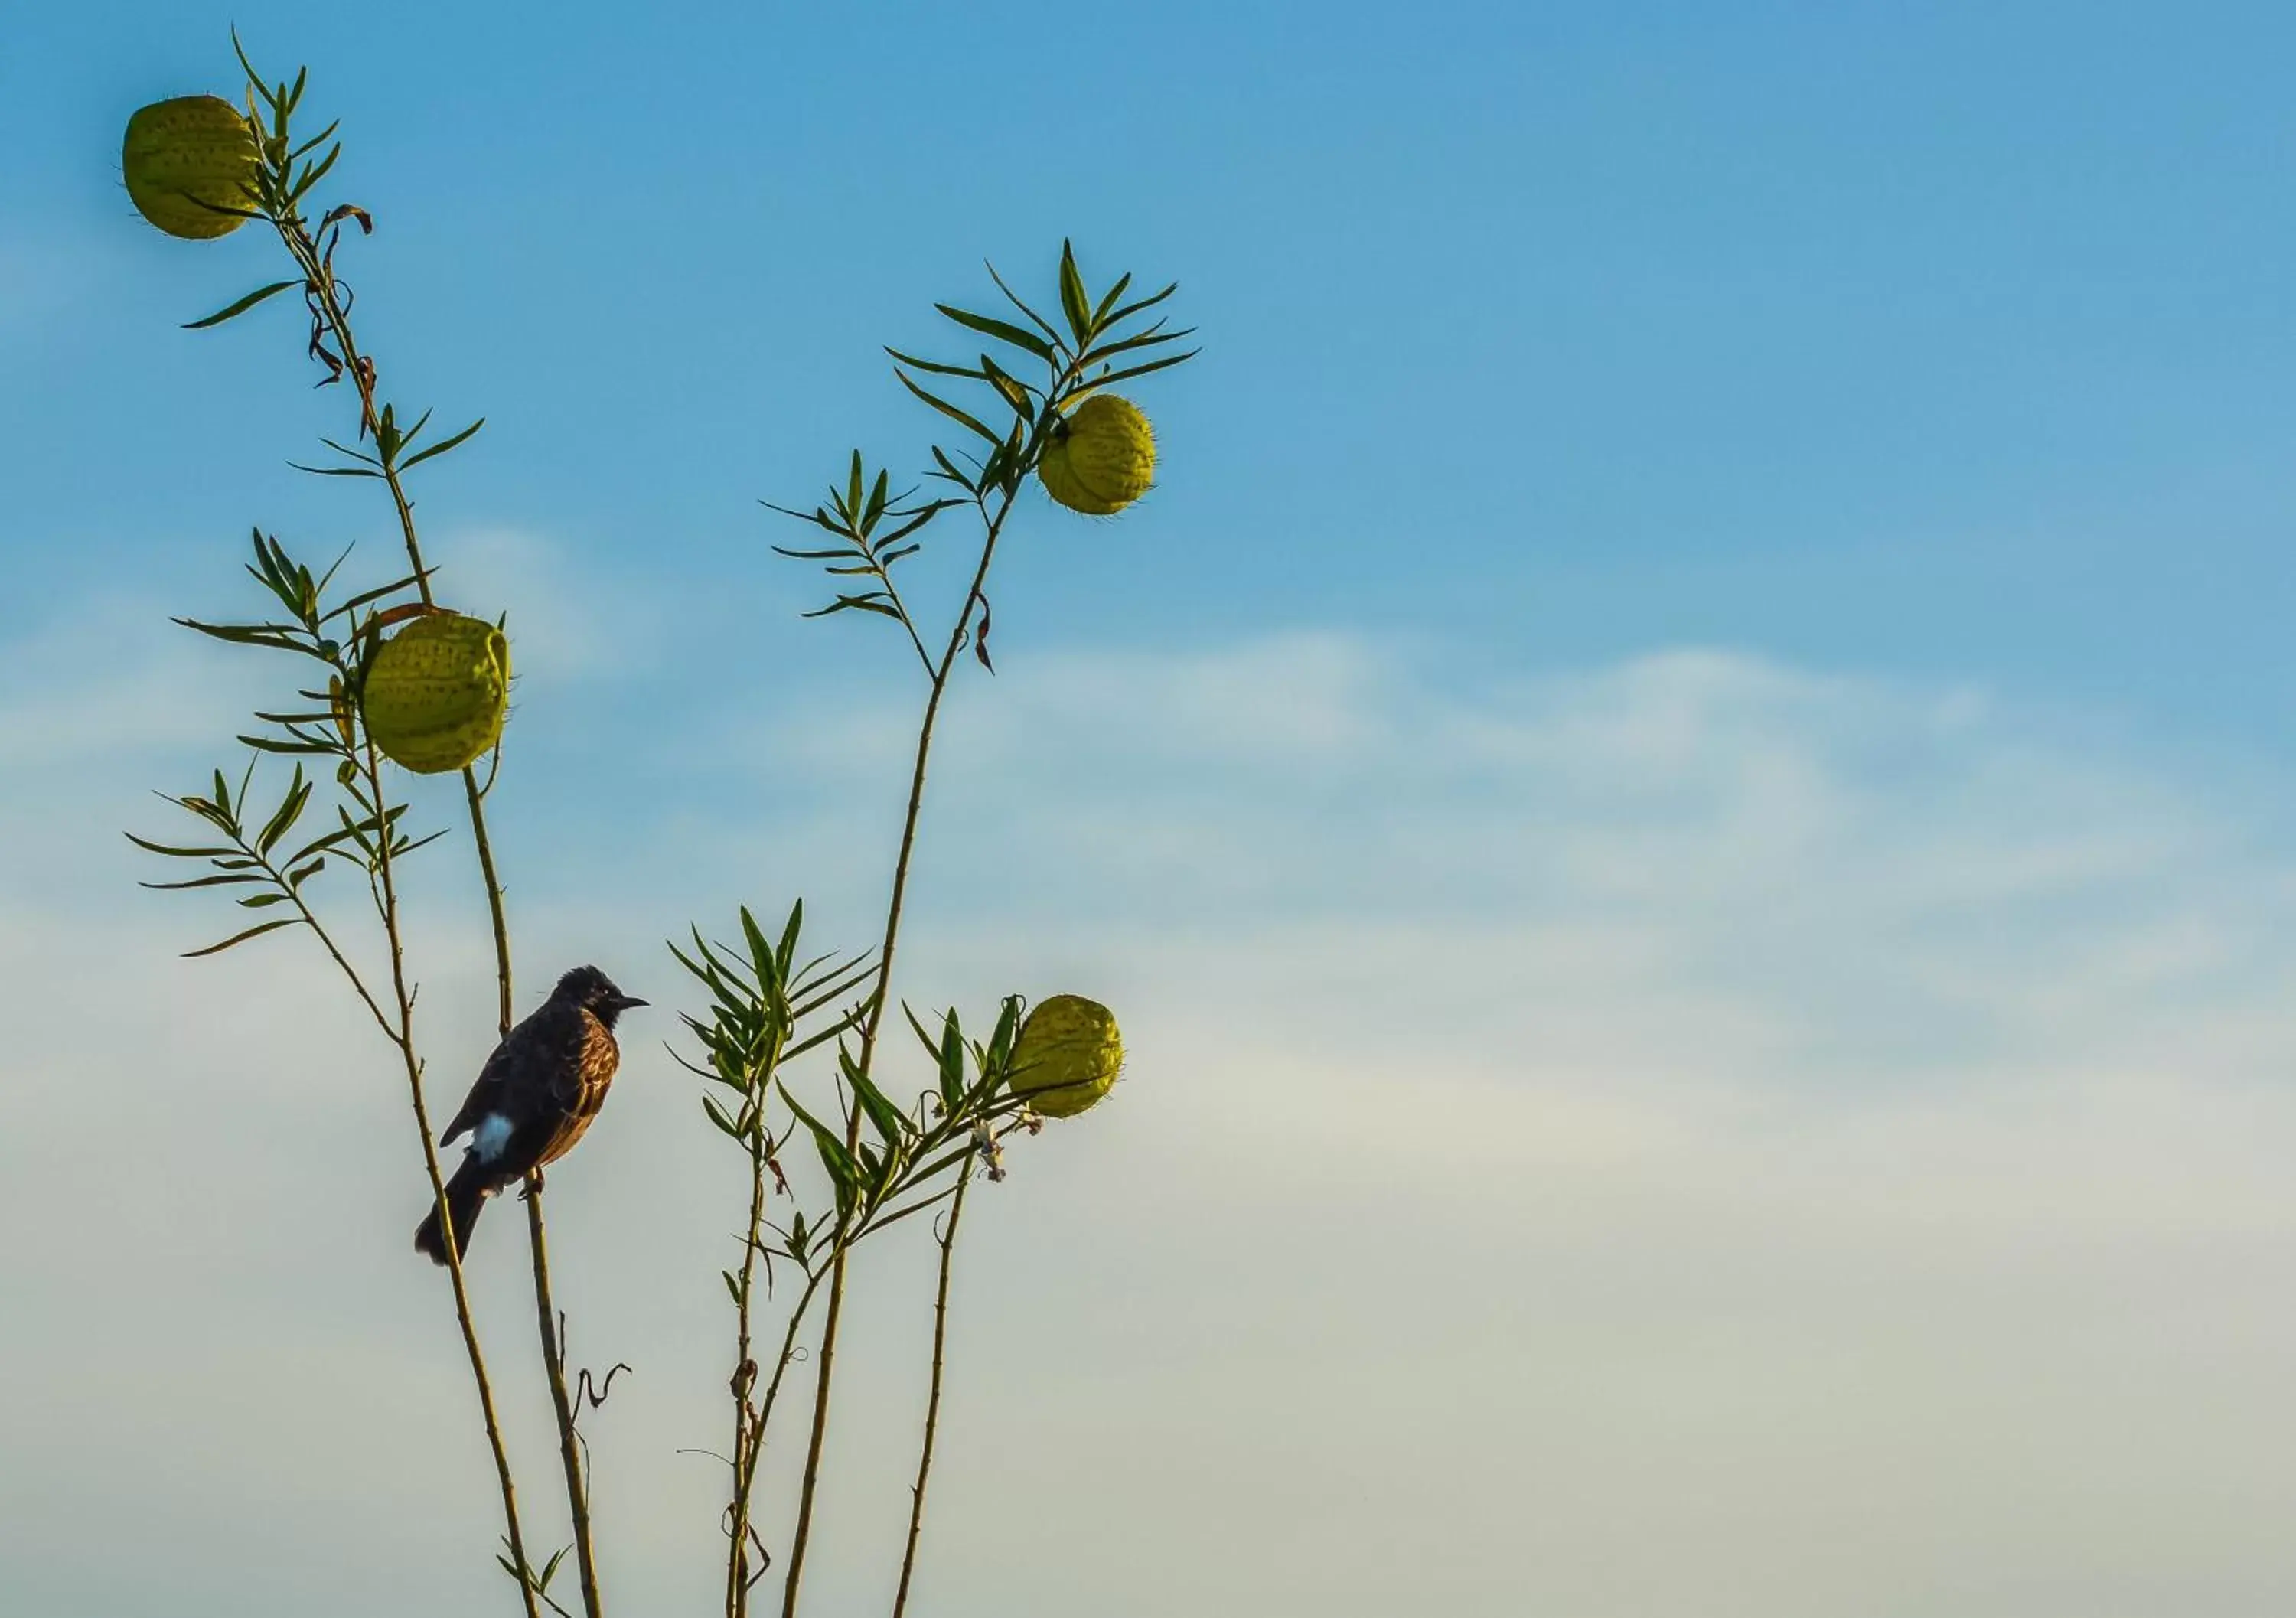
<point x="485" y="1095"/>
<point x="579" y="1086"/>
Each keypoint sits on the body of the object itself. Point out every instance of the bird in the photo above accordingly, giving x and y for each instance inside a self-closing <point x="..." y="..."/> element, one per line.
<point x="532" y="1100"/>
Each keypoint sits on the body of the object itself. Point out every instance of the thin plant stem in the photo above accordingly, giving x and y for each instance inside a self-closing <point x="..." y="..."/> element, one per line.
<point x="869" y="1030"/>
<point x="326" y="940"/>
<point x="319" y="276"/>
<point x="553" y="1360"/>
<point x="749" y="1429"/>
<point x="751" y="1422"/>
<point x="387" y="902"/>
<point x="738" y="1578"/>
<point x="947" y="1239"/>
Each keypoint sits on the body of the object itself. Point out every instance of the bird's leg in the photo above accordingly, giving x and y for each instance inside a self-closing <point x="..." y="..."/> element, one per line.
<point x="533" y="1186"/>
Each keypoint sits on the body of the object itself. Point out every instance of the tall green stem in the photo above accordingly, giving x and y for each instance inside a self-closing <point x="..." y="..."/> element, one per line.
<point x="306" y="252"/>
<point x="738" y="1577"/>
<point x="749" y="1423"/>
<point x="387" y="902"/>
<point x="879" y="1000"/>
<point x="933" y="1402"/>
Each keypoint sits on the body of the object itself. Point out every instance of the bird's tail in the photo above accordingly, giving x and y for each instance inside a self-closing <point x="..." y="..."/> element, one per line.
<point x="466" y="1195"/>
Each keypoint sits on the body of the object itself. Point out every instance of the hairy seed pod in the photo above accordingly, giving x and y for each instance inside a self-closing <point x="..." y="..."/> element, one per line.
<point x="1102" y="458"/>
<point x="1067" y="1056"/>
<point x="437" y="694"/>
<point x="186" y="161"/>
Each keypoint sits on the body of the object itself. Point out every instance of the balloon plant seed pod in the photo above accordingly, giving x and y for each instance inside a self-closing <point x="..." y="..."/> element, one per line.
<point x="1067" y="1056"/>
<point x="436" y="692"/>
<point x="1102" y="456"/>
<point x="191" y="166"/>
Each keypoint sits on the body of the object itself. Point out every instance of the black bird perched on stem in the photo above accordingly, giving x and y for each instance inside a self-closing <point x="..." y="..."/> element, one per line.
<point x="533" y="1099"/>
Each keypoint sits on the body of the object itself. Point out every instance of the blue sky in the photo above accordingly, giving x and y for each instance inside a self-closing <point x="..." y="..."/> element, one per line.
<point x="1682" y="786"/>
<point x="1924" y="338"/>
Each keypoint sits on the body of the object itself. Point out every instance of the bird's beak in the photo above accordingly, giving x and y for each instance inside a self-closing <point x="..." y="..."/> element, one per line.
<point x="623" y="1002"/>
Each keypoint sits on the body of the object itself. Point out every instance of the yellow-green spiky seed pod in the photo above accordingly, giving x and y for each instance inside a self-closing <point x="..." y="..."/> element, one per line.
<point x="1102" y="458"/>
<point x="436" y="693"/>
<point x="1067" y="1056"/>
<point x="187" y="159"/>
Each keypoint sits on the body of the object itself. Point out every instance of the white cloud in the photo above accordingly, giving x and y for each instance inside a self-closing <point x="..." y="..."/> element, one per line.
<point x="569" y="622"/>
<point x="1694" y="1136"/>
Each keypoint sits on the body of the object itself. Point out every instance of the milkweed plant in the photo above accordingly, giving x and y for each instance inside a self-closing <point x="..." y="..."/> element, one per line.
<point x="311" y="829"/>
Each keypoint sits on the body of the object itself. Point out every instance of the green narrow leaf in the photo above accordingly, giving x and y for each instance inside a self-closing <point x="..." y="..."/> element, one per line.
<point x="316" y="140"/>
<point x="952" y="1064"/>
<point x="1017" y="395"/>
<point x="346" y="451"/>
<point x="313" y="173"/>
<point x="442" y="447"/>
<point x="267" y="745"/>
<point x="179" y="853"/>
<point x="290" y="810"/>
<point x="1073" y="302"/>
<point x="842" y="1169"/>
<point x="884" y="1117"/>
<point x="931" y="1045"/>
<point x="1014" y="299"/>
<point x="761" y="952"/>
<point x="1003" y="331"/>
<point x="1099" y="382"/>
<point x="254" y="78"/>
<point x="948" y="470"/>
<point x="1008" y="1029"/>
<point x="403" y="846"/>
<point x="317" y="845"/>
<point x="915" y="519"/>
<point x="935" y="367"/>
<point x="871" y="602"/>
<point x="233" y="879"/>
<point x="1100" y="315"/>
<point x="240" y="938"/>
<point x="946" y="409"/>
<point x="786" y="951"/>
<point x="1150" y="302"/>
<point x="376" y="594"/>
<point x="1148" y="338"/>
<point x="279" y="637"/>
<point x="711" y="976"/>
<point x="232" y="310"/>
<point x="720" y="1117"/>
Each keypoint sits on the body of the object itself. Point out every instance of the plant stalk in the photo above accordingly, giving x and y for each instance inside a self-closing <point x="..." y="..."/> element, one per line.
<point x="932" y="1403"/>
<point x="553" y="1361"/>
<point x="869" y="1030"/>
<point x="305" y="251"/>
<point x="738" y="1578"/>
<point x="748" y="1434"/>
<point x="387" y="893"/>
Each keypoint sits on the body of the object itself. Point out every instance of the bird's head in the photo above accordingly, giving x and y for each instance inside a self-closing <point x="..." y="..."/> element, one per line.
<point x="594" y="991"/>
